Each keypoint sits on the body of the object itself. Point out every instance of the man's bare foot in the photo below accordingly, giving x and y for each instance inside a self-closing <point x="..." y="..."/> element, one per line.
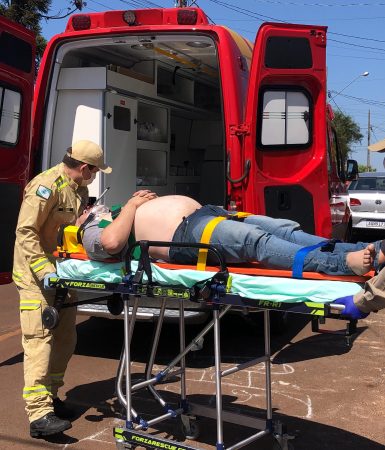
<point x="361" y="262"/>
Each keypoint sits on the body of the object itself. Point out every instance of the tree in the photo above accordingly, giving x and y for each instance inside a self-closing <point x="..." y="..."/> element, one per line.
<point x="348" y="132"/>
<point x="28" y="13"/>
<point x="363" y="168"/>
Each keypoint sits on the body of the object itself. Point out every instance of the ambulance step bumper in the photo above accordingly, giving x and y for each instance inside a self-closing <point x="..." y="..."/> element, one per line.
<point x="143" y="314"/>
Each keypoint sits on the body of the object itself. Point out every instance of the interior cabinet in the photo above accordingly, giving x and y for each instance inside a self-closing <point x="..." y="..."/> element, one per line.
<point x="152" y="123"/>
<point x="153" y="144"/>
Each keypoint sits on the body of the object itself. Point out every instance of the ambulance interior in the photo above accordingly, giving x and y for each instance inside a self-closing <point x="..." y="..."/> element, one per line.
<point x="153" y="103"/>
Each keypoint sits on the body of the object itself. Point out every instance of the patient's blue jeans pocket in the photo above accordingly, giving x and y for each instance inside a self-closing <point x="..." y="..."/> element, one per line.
<point x="190" y="231"/>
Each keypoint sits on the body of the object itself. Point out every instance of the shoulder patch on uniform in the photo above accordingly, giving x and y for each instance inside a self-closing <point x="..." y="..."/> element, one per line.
<point x="60" y="182"/>
<point x="43" y="192"/>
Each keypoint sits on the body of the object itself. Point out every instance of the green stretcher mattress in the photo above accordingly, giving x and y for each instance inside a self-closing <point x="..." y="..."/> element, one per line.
<point x="277" y="289"/>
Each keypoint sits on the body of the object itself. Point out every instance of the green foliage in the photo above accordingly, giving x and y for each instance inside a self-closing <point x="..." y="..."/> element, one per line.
<point x="28" y="13"/>
<point x="348" y="132"/>
<point x="363" y="168"/>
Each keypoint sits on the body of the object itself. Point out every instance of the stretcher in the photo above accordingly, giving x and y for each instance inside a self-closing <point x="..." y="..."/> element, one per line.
<point x="217" y="292"/>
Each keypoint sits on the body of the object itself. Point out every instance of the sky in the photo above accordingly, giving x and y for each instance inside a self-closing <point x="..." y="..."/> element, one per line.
<point x="356" y="44"/>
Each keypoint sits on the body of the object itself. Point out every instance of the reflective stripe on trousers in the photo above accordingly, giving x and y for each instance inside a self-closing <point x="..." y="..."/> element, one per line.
<point x="37" y="390"/>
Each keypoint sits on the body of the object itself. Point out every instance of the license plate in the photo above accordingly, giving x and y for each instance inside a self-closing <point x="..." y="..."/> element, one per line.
<point x="375" y="224"/>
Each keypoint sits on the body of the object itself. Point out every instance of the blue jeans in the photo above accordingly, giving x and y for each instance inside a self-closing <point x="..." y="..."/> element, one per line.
<point x="272" y="242"/>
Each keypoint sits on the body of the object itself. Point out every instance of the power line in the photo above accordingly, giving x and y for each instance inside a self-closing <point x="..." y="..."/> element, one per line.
<point x="343" y="19"/>
<point x="357" y="45"/>
<point x="327" y="5"/>
<point x="379" y="128"/>
<point x="141" y="4"/>
<point x="246" y="12"/>
<point x="340" y="110"/>
<point x="251" y="14"/>
<point x="356" y="57"/>
<point x="358" y="37"/>
<point x="56" y="17"/>
<point x="210" y="19"/>
<point x="257" y="16"/>
<point x="362" y="100"/>
<point x="100" y="4"/>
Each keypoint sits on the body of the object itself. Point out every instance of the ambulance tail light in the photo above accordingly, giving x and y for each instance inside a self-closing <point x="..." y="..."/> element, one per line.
<point x="81" y="22"/>
<point x="187" y="17"/>
<point x="129" y="17"/>
<point x="354" y="202"/>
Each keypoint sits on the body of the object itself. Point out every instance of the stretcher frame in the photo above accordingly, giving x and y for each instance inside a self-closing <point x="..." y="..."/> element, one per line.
<point x="213" y="297"/>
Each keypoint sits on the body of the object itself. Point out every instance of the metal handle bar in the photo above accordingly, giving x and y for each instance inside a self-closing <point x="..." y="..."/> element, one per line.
<point x="241" y="178"/>
<point x="337" y="306"/>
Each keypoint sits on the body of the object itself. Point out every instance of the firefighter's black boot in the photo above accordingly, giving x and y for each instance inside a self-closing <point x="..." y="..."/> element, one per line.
<point x="48" y="425"/>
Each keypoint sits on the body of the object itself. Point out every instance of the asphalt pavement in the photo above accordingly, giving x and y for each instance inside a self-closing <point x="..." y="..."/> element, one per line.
<point x="330" y="396"/>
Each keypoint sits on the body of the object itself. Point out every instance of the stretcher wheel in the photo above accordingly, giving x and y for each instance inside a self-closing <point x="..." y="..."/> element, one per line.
<point x="115" y="304"/>
<point x="50" y="317"/>
<point x="124" y="446"/>
<point x="191" y="431"/>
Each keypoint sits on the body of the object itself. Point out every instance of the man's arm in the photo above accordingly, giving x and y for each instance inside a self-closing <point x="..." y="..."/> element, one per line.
<point x="34" y="212"/>
<point x="115" y="236"/>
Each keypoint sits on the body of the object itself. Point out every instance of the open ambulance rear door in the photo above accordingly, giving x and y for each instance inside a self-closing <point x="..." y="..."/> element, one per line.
<point x="285" y="123"/>
<point x="17" y="70"/>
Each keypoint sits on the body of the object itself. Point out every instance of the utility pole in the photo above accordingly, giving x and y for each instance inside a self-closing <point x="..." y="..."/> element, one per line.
<point x="368" y="154"/>
<point x="79" y="4"/>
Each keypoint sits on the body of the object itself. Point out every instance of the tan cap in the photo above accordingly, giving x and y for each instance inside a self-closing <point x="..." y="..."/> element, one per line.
<point x="89" y="153"/>
<point x="378" y="146"/>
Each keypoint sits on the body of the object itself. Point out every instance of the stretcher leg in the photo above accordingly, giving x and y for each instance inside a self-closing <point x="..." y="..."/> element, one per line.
<point x="125" y="359"/>
<point x="128" y="330"/>
<point x="154" y="349"/>
<point x="182" y="346"/>
<point x="218" y="378"/>
<point x="189" y="423"/>
<point x="349" y="332"/>
<point x="266" y="330"/>
<point x="134" y="432"/>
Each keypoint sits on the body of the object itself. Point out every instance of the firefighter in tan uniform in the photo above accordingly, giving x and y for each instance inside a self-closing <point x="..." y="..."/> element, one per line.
<point x="54" y="197"/>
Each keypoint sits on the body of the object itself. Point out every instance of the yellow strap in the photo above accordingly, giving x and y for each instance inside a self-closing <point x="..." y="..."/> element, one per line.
<point x="242" y="215"/>
<point x="207" y="233"/>
<point x="205" y="239"/>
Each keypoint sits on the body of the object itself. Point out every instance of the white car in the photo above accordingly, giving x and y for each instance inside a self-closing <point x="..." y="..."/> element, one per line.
<point x="367" y="201"/>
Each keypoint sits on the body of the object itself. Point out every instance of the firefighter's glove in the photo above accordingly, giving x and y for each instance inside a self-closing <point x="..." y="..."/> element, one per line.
<point x="46" y="279"/>
<point x="351" y="309"/>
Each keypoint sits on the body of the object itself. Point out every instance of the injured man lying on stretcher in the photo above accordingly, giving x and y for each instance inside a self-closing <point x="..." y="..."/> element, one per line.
<point x="253" y="238"/>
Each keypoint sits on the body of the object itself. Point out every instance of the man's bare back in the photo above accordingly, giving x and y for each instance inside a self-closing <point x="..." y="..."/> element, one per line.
<point x="157" y="220"/>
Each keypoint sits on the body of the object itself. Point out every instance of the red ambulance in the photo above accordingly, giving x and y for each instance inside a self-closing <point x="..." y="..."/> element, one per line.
<point x="17" y="71"/>
<point x="180" y="106"/>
